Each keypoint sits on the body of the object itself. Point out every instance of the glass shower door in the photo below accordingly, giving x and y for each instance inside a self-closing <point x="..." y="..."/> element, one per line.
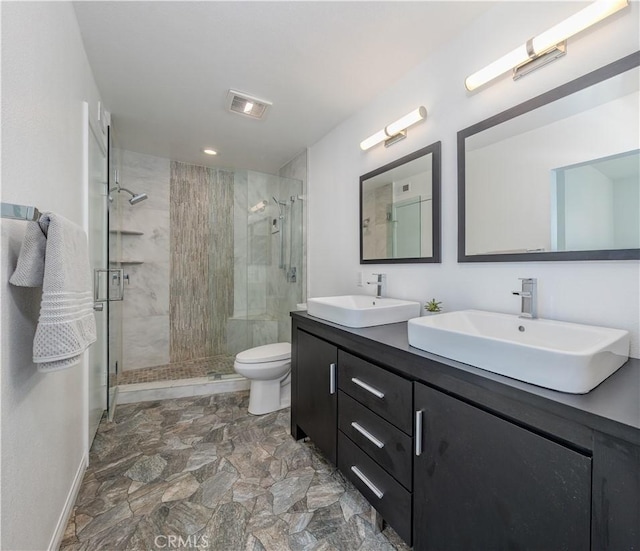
<point x="97" y="182"/>
<point x="115" y="256"/>
<point x="268" y="259"/>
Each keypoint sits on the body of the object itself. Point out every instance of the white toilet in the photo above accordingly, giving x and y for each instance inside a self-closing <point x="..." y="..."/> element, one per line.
<point x="268" y="368"/>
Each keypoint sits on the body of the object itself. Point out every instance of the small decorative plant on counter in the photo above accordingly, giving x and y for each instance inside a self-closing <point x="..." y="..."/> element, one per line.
<point x="433" y="306"/>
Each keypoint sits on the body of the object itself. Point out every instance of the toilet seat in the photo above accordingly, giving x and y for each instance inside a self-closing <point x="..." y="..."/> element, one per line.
<point x="267" y="353"/>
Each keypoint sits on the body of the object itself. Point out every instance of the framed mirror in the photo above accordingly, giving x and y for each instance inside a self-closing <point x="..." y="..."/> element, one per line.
<point x="400" y="210"/>
<point x="556" y="177"/>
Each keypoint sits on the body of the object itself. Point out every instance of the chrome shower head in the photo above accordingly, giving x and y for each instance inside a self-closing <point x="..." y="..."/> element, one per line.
<point x="137" y="198"/>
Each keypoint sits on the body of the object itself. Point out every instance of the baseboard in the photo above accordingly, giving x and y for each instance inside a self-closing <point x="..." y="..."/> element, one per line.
<point x="65" y="515"/>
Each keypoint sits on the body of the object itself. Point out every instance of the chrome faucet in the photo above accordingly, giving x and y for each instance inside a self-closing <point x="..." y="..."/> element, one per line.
<point x="381" y="283"/>
<point x="529" y="297"/>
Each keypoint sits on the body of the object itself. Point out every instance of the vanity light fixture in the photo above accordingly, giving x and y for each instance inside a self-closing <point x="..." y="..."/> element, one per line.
<point x="210" y="151"/>
<point x="395" y="131"/>
<point x="546" y="47"/>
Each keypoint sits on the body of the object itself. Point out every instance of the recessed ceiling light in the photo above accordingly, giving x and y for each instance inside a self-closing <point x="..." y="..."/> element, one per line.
<point x="210" y="151"/>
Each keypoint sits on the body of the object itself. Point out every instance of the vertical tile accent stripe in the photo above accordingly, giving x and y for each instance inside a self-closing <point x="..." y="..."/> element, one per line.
<point x="189" y="314"/>
<point x="201" y="282"/>
<point x="189" y="309"/>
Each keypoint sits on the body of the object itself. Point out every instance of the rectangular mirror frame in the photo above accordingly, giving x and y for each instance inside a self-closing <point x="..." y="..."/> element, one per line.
<point x="617" y="67"/>
<point x="435" y="150"/>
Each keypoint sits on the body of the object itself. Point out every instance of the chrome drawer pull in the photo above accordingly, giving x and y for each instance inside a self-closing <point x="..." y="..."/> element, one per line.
<point x="367" y="435"/>
<point x="367" y="482"/>
<point x="419" y="432"/>
<point x="367" y="387"/>
<point x="332" y="378"/>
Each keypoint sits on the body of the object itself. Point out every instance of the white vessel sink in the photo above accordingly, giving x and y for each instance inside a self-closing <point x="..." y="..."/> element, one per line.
<point x="362" y="310"/>
<point x="568" y="357"/>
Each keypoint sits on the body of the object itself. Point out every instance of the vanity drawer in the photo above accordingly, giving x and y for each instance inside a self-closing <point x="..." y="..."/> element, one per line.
<point x="386" y="495"/>
<point x="387" y="445"/>
<point x="385" y="393"/>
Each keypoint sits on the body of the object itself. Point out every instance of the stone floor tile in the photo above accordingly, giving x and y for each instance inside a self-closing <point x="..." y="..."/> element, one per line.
<point x="182" y="487"/>
<point x="204" y="470"/>
<point x="105" y="521"/>
<point x="227" y="528"/>
<point x="147" y="468"/>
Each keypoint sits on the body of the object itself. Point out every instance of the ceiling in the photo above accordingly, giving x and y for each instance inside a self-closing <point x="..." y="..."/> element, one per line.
<point x="164" y="69"/>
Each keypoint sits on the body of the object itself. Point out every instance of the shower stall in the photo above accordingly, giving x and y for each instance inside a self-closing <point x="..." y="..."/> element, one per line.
<point x="215" y="263"/>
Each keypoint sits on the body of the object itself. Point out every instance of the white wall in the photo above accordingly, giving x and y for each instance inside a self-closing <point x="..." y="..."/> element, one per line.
<point x="45" y="79"/>
<point x="570" y="291"/>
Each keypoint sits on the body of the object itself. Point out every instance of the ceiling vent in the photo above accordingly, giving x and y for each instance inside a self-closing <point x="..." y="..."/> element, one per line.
<point x="247" y="105"/>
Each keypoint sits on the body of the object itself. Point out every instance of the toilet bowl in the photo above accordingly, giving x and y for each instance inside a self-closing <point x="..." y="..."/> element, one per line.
<point x="268" y="368"/>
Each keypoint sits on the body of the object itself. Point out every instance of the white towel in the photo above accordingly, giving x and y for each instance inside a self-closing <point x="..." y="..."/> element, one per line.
<point x="59" y="262"/>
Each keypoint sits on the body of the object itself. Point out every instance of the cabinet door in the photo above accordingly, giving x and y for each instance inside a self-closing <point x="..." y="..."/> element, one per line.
<point x="317" y="399"/>
<point x="484" y="483"/>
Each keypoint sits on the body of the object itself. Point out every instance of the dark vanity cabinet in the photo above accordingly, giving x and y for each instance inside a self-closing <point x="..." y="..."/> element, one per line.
<point x="315" y="399"/>
<point x="455" y="458"/>
<point x="481" y="482"/>
<point x="374" y="437"/>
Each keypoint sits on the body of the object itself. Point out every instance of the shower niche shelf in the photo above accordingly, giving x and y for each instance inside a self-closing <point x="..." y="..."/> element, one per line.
<point x="127" y="232"/>
<point x="127" y="262"/>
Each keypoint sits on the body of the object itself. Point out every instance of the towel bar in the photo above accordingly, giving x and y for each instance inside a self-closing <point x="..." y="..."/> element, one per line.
<point x="19" y="212"/>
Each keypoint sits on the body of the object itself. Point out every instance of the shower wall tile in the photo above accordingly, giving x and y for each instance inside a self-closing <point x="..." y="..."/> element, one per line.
<point x="237" y="335"/>
<point x="257" y="299"/>
<point x="134" y="217"/>
<point x="259" y="239"/>
<point x="259" y="188"/>
<point x="284" y="330"/>
<point x="146" y="341"/>
<point x="263" y="332"/>
<point x="246" y="333"/>
<point x="240" y="286"/>
<point x="154" y="244"/>
<point x="146" y="174"/>
<point x="240" y="233"/>
<point x="145" y="308"/>
<point x="147" y="293"/>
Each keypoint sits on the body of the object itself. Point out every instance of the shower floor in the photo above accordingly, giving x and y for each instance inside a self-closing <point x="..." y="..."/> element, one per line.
<point x="215" y="367"/>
